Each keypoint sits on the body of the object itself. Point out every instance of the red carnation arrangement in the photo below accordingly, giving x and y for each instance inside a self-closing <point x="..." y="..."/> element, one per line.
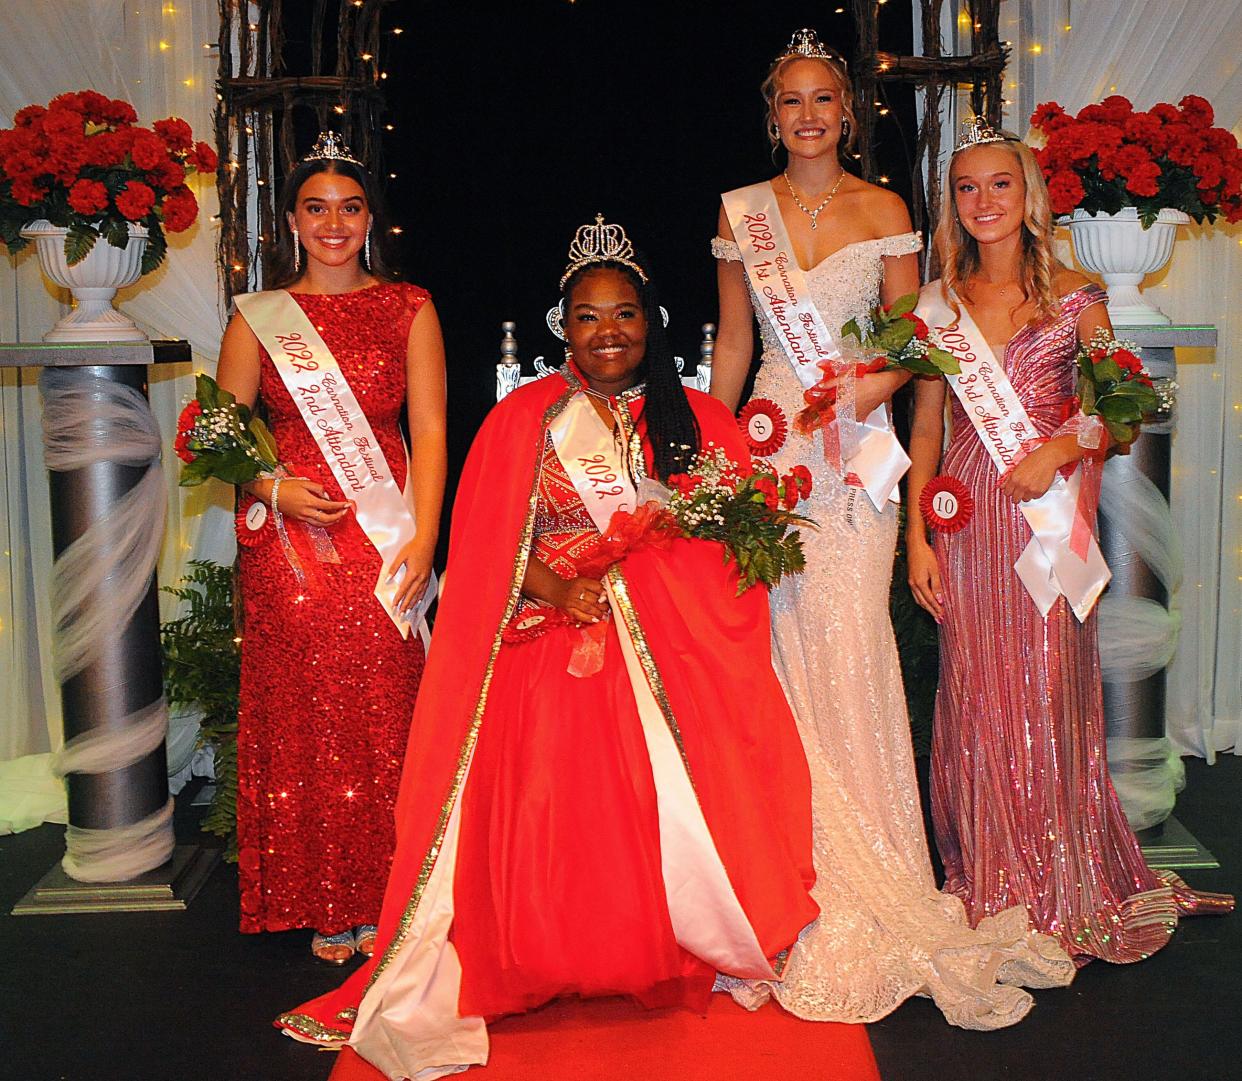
<point x="1168" y="158"/>
<point x="82" y="163"/>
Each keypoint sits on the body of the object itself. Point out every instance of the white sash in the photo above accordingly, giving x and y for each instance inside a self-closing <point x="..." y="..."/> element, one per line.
<point x="587" y="449"/>
<point x="708" y="919"/>
<point x="780" y="288"/>
<point x="342" y="433"/>
<point x="1047" y="566"/>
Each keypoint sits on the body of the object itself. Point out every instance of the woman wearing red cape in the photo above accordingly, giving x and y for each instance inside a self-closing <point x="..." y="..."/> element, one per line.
<point x="619" y="804"/>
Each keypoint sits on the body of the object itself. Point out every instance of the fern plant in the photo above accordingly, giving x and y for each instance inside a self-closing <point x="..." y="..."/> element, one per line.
<point x="202" y="669"/>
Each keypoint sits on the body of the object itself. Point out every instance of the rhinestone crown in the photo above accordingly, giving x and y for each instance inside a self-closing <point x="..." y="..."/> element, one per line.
<point x="601" y="243"/>
<point x="331" y="147"/>
<point x="805" y="42"/>
<point x="976" y="131"/>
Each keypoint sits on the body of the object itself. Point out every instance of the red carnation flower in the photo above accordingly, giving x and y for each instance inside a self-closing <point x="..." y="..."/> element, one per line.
<point x="791" y="493"/>
<point x="802" y="477"/>
<point x="1208" y="169"/>
<point x="202" y="158"/>
<point x="1197" y="111"/>
<point x="61" y="123"/>
<point x="1141" y="128"/>
<point x="94" y="106"/>
<point x="1185" y="143"/>
<point x="175" y="132"/>
<point x="108" y="148"/>
<point x="1065" y="191"/>
<point x="1220" y="141"/>
<point x="180" y="210"/>
<point x="71" y="102"/>
<point x="26" y="191"/>
<point x="168" y="175"/>
<point x="1048" y="117"/>
<point x="88" y="197"/>
<point x="135" y="200"/>
<point x="1116" y="108"/>
<point x="1093" y="113"/>
<point x="1166" y="113"/>
<point x="120" y="112"/>
<point x="920" y="328"/>
<point x="1127" y="360"/>
<point x="147" y="149"/>
<point x="23" y="118"/>
<point x="1143" y="181"/>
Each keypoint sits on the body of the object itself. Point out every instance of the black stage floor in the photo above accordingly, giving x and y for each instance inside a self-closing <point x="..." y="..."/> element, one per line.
<point x="184" y="997"/>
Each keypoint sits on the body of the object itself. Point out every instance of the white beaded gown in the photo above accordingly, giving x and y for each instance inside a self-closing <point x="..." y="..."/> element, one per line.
<point x="885" y="932"/>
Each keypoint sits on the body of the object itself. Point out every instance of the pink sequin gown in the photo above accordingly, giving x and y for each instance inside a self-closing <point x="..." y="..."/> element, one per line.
<point x="1024" y="811"/>
<point x="328" y="683"/>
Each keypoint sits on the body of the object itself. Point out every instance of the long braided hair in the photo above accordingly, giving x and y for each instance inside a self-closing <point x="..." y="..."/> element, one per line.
<point x="671" y="424"/>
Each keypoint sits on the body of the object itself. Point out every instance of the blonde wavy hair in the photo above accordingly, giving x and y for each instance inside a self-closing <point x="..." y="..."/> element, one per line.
<point x="770" y="88"/>
<point x="959" y="251"/>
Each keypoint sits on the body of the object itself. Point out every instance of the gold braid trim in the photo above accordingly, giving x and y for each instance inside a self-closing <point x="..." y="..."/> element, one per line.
<point x="621" y="592"/>
<point x="472" y="736"/>
<point x="311" y="1029"/>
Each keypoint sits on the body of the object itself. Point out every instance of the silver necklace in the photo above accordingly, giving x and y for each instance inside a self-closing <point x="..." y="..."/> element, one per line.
<point x="812" y="214"/>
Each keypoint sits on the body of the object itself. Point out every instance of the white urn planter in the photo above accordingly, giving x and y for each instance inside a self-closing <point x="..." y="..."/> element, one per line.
<point x="1122" y="252"/>
<point x="93" y="283"/>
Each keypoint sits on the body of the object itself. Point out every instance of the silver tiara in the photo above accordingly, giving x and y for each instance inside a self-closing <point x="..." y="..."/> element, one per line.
<point x="331" y="147"/>
<point x="601" y="243"/>
<point x="806" y="43"/>
<point x="977" y="131"/>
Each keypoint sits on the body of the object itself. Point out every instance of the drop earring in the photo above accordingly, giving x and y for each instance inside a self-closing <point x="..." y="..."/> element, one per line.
<point x="366" y="249"/>
<point x="297" y="253"/>
<point x="845" y="127"/>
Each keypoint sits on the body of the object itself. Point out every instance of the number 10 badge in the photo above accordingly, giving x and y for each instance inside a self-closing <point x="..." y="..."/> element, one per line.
<point x="946" y="504"/>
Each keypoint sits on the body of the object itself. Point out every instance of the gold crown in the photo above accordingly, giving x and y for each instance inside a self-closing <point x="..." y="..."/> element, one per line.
<point x="806" y="43"/>
<point x="331" y="147"/>
<point x="976" y="131"/>
<point x="601" y="243"/>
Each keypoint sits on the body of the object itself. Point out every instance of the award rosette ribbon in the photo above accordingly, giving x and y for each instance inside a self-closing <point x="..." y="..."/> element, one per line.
<point x="946" y="504"/>
<point x="763" y="426"/>
<point x="254" y="523"/>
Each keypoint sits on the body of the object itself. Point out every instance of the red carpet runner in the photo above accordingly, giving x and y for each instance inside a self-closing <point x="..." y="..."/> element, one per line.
<point x="610" y="1040"/>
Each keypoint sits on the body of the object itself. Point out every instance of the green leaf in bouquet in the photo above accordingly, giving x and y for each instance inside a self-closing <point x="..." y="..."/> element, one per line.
<point x="116" y="233"/>
<point x="1121" y="433"/>
<point x="1107" y="370"/>
<point x="1086" y="391"/>
<point x="235" y="467"/>
<point x="79" y="241"/>
<point x="851" y="330"/>
<point x="195" y="472"/>
<point x="264" y="442"/>
<point x="944" y="361"/>
<point x="923" y="365"/>
<point x="903" y="306"/>
<point x="1122" y="410"/>
<point x="206" y="391"/>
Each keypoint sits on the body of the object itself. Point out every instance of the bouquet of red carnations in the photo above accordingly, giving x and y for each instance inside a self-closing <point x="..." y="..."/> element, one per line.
<point x="1114" y="385"/>
<point x="84" y="164"/>
<point x="217" y="437"/>
<point x="894" y="338"/>
<point x="750" y="511"/>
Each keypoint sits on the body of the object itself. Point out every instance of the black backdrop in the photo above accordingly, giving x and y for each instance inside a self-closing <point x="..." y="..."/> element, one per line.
<point x="514" y="123"/>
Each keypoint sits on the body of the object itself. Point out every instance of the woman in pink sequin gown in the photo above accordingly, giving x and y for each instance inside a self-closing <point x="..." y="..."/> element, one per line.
<point x="1024" y="811"/>
<point x="328" y="683"/>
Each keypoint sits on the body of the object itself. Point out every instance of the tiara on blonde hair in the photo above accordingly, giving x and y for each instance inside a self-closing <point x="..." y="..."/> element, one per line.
<point x="805" y="44"/>
<point x="975" y="132"/>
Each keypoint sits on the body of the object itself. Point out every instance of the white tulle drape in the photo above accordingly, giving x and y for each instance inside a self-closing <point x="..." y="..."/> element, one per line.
<point x="1076" y="52"/>
<point x="152" y="55"/>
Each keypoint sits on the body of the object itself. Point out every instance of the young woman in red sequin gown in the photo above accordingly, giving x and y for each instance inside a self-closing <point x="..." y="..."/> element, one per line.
<point x="328" y="683"/>
<point x="1024" y="811"/>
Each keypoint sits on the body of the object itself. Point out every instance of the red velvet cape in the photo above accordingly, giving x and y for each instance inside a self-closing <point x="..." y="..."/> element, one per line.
<point x="712" y="650"/>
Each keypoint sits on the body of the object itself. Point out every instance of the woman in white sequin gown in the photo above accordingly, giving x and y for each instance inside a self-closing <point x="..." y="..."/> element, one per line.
<point x="885" y="932"/>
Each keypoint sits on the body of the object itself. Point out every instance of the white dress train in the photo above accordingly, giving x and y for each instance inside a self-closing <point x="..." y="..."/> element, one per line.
<point x="884" y="933"/>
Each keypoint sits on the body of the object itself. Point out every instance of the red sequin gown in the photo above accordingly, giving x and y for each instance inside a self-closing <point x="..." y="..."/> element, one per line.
<point x="1024" y="811"/>
<point x="327" y="684"/>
